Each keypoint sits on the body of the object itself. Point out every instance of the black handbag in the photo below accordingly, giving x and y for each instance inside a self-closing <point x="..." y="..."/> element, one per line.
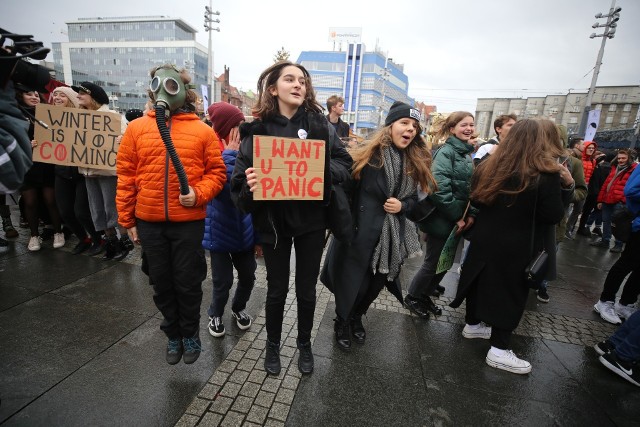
<point x="536" y="270"/>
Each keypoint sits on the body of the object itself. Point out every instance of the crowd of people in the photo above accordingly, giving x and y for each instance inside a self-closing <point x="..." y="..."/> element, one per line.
<point x="182" y="186"/>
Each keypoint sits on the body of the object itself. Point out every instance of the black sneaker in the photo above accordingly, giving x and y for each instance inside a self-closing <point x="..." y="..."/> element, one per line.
<point x="216" y="327"/>
<point x="416" y="306"/>
<point x="243" y="320"/>
<point x="543" y="296"/>
<point x="96" y="248"/>
<point x="604" y="347"/>
<point x="126" y="243"/>
<point x="600" y="243"/>
<point x="431" y="306"/>
<point x="192" y="348"/>
<point x="272" y="358"/>
<point x="597" y="231"/>
<point x="305" y="358"/>
<point x="627" y="370"/>
<point x="174" y="351"/>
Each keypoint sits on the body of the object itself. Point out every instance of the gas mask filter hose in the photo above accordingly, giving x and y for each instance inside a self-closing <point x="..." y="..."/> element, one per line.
<point x="168" y="143"/>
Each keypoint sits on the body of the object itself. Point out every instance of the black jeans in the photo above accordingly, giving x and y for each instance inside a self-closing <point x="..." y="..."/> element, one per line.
<point x="309" y="249"/>
<point x="499" y="337"/>
<point x="222" y="264"/>
<point x="426" y="279"/>
<point x="369" y="292"/>
<point x="175" y="258"/>
<point x="629" y="262"/>
<point x="73" y="204"/>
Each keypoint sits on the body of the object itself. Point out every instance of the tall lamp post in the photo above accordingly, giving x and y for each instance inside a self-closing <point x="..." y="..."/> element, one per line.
<point x="208" y="26"/>
<point x="609" y="32"/>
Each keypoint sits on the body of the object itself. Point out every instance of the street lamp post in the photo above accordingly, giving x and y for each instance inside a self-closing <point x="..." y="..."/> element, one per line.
<point x="208" y="21"/>
<point x="609" y="32"/>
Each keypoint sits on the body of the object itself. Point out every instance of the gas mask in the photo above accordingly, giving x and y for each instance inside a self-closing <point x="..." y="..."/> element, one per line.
<point x="168" y="89"/>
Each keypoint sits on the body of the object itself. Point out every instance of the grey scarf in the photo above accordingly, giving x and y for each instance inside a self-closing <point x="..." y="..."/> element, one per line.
<point x="392" y="248"/>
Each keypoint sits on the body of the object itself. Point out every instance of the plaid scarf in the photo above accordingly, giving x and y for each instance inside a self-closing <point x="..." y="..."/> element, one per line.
<point x="392" y="248"/>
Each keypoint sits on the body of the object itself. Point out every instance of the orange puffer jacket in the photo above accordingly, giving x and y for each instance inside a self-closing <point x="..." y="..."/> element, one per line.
<point x="148" y="186"/>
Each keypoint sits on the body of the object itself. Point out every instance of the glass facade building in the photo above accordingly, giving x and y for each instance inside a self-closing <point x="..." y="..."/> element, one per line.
<point x="369" y="83"/>
<point x="117" y="54"/>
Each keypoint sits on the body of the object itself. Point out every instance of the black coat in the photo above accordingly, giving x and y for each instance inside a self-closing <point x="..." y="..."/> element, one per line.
<point x="347" y="267"/>
<point x="500" y="251"/>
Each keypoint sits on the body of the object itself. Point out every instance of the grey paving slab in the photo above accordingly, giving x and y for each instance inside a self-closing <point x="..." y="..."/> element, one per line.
<point x="46" y="339"/>
<point x="344" y="393"/>
<point x="607" y="390"/>
<point x="128" y="384"/>
<point x="391" y="342"/>
<point x="46" y="269"/>
<point x="13" y="295"/>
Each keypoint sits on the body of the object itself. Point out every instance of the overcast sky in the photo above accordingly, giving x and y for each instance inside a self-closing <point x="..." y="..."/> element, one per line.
<point x="454" y="51"/>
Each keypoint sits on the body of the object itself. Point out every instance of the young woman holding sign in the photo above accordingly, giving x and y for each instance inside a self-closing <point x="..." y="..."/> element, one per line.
<point x="287" y="108"/>
<point x="386" y="172"/>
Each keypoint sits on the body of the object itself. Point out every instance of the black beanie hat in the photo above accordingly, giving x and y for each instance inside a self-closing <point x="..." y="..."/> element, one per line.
<point x="95" y="91"/>
<point x="400" y="110"/>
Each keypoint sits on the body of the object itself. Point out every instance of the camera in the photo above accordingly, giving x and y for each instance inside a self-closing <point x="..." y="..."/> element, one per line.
<point x="13" y="63"/>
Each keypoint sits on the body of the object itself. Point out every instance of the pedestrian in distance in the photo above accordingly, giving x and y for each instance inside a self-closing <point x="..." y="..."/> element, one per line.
<point x="167" y="224"/>
<point x="386" y="173"/>
<point x="627" y="265"/>
<point x="287" y="107"/>
<point x="452" y="168"/>
<point x="228" y="233"/>
<point x="521" y="178"/>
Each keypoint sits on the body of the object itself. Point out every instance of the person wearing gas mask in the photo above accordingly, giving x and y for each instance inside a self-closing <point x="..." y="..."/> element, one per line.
<point x="169" y="166"/>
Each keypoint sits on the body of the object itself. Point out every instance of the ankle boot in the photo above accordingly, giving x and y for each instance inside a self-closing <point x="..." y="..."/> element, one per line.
<point x="431" y="306"/>
<point x="305" y="358"/>
<point x="272" y="358"/>
<point x="341" y="328"/>
<point x="357" y="329"/>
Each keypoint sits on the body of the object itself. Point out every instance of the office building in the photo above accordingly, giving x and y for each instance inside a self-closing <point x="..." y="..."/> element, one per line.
<point x="117" y="54"/>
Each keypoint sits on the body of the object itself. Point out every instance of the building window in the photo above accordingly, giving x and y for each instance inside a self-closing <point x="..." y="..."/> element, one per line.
<point x="578" y="98"/>
<point x="623" y="96"/>
<point x="609" y="120"/>
<point x="613" y="107"/>
<point x="553" y="110"/>
<point x="576" y="109"/>
<point x="624" y="120"/>
<point x="573" y="120"/>
<point x="614" y="96"/>
<point x="627" y="107"/>
<point x="605" y="96"/>
<point x="598" y="106"/>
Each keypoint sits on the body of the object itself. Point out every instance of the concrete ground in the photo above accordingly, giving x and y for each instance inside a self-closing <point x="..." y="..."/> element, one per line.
<point x="81" y="346"/>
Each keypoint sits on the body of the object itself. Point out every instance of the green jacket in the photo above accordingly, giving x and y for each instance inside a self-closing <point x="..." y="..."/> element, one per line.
<point x="452" y="168"/>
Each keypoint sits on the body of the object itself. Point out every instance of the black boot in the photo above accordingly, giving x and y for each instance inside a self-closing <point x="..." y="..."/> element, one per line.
<point x="305" y="358"/>
<point x="416" y="306"/>
<point x="341" y="328"/>
<point x="272" y="358"/>
<point x="357" y="329"/>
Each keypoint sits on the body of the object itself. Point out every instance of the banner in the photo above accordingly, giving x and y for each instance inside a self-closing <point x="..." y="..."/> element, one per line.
<point x="448" y="254"/>
<point x="288" y="168"/>
<point x="76" y="137"/>
<point x="592" y="125"/>
<point x="204" y="90"/>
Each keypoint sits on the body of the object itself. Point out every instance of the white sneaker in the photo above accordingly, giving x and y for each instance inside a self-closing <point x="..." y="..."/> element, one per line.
<point x="58" y="240"/>
<point x="477" y="331"/>
<point x="34" y="243"/>
<point x="624" y="311"/>
<point x="607" y="311"/>
<point x="508" y="362"/>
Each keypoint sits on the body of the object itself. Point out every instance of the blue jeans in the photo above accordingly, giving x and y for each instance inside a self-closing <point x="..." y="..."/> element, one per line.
<point x="545" y="282"/>
<point x="626" y="339"/>
<point x="222" y="264"/>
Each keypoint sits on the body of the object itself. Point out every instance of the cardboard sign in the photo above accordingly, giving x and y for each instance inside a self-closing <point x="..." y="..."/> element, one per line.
<point x="77" y="137"/>
<point x="288" y="168"/>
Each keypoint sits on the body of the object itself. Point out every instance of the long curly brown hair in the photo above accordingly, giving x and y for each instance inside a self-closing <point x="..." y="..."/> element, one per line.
<point x="532" y="146"/>
<point x="417" y="155"/>
<point x="267" y="104"/>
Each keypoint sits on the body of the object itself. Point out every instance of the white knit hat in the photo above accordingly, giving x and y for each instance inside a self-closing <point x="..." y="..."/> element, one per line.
<point x="71" y="94"/>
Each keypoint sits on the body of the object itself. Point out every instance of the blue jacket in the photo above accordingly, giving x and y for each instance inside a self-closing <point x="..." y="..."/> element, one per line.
<point x="632" y="194"/>
<point x="226" y="229"/>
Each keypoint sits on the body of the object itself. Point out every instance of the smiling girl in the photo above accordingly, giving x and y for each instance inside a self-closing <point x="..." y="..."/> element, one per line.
<point x="386" y="173"/>
<point x="287" y="108"/>
<point x="452" y="168"/>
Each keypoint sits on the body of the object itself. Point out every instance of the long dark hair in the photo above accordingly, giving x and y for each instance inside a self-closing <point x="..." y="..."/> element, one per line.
<point x="267" y="105"/>
<point x="532" y="146"/>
